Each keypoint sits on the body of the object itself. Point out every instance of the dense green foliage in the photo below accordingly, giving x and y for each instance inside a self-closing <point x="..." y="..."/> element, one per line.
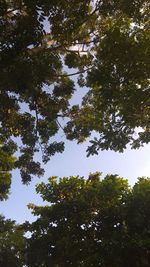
<point x="91" y="222"/>
<point x="7" y="162"/>
<point x="118" y="101"/>
<point x="105" y="43"/>
<point x="12" y="244"/>
<point x="86" y="222"/>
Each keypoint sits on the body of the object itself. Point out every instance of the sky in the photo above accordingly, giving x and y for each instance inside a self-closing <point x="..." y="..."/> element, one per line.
<point x="130" y="165"/>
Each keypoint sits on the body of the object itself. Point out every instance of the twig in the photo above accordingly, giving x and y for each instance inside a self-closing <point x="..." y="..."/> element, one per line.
<point x="59" y="125"/>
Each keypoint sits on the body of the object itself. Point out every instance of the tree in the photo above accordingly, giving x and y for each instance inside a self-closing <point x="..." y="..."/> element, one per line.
<point x="107" y="44"/>
<point x="12" y="244"/>
<point x="117" y="105"/>
<point x="34" y="89"/>
<point x="138" y="222"/>
<point x="91" y="222"/>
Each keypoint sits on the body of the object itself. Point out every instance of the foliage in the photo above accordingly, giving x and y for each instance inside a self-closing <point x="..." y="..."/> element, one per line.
<point x="91" y="222"/>
<point x="117" y="105"/>
<point x="7" y="161"/>
<point x="34" y="92"/>
<point x="12" y="244"/>
<point x="107" y="43"/>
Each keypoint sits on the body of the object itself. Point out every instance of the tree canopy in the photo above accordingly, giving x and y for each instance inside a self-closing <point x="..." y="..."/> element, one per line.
<point x="43" y="44"/>
<point x="91" y="222"/>
<point x="86" y="222"/>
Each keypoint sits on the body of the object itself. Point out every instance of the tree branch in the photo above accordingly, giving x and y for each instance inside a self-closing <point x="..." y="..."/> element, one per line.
<point x="36" y="126"/>
<point x="75" y="73"/>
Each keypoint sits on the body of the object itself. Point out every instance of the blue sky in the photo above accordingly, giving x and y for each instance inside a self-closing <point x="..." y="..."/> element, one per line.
<point x="130" y="164"/>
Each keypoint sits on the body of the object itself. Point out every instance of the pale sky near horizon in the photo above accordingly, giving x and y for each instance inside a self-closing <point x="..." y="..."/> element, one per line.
<point x="130" y="164"/>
